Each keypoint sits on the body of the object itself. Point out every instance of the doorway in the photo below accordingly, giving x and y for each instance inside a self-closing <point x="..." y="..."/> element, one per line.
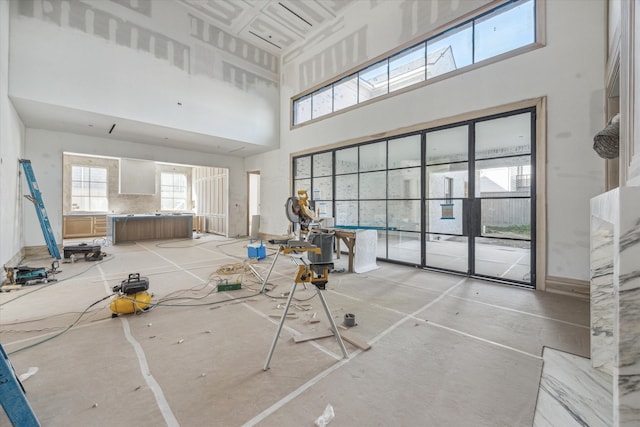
<point x="480" y="198"/>
<point x="254" y="204"/>
<point x="211" y="189"/>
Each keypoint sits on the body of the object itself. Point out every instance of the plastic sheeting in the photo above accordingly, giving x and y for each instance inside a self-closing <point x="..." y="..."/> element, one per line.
<point x="365" y="251"/>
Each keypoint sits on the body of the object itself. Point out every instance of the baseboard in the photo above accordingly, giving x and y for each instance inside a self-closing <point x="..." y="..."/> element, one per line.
<point x="565" y="286"/>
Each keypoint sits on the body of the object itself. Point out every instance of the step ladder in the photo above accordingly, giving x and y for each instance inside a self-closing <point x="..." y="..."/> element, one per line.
<point x="36" y="198"/>
<point x="12" y="397"/>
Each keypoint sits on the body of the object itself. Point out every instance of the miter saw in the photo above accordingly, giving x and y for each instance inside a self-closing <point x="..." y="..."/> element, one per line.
<point x="300" y="210"/>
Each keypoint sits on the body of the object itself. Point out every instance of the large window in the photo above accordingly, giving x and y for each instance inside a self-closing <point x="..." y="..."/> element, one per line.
<point x="406" y="68"/>
<point x="459" y="197"/>
<point x="173" y="190"/>
<point x="375" y="185"/>
<point x="89" y="189"/>
<point x="505" y="28"/>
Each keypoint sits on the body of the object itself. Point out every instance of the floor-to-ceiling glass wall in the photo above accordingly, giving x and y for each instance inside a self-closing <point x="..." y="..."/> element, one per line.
<point x="459" y="198"/>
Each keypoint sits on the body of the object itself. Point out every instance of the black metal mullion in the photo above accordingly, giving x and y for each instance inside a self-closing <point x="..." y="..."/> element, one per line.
<point x="473" y="41"/>
<point x="386" y="202"/>
<point x="388" y="76"/>
<point x="358" y="195"/>
<point x="293" y="181"/>
<point x="333" y="186"/>
<point x="311" y="178"/>
<point x="426" y="54"/>
<point x="423" y="196"/>
<point x="472" y="204"/>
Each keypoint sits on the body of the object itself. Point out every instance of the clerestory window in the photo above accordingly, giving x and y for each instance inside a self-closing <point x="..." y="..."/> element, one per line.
<point x="503" y="29"/>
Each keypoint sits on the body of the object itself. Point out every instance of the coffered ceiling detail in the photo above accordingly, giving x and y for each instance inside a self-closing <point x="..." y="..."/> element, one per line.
<point x="274" y="25"/>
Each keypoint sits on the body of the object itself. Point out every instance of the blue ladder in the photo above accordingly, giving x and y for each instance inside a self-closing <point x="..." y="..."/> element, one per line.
<point x="12" y="397"/>
<point x="36" y="198"/>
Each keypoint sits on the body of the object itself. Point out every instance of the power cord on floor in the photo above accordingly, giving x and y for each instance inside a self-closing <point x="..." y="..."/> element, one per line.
<point x="102" y="241"/>
<point x="169" y="245"/>
<point x="75" y="322"/>
<point x="163" y="302"/>
<point x="40" y="319"/>
<point x="49" y="284"/>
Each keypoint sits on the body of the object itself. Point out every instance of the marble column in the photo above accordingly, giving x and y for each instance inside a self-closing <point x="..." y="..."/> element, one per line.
<point x="627" y="326"/>
<point x="621" y="304"/>
<point x="602" y="298"/>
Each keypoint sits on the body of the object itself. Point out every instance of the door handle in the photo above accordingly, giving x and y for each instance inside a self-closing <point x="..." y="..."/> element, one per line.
<point x="472" y="217"/>
<point x="477" y="217"/>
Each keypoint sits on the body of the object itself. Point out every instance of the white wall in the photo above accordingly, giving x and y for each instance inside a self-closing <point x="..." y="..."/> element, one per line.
<point x="101" y="57"/>
<point x="569" y="71"/>
<point x="45" y="149"/>
<point x="11" y="144"/>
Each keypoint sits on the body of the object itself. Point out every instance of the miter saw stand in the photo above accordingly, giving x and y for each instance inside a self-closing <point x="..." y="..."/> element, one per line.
<point x="315" y="274"/>
<point x="299" y="211"/>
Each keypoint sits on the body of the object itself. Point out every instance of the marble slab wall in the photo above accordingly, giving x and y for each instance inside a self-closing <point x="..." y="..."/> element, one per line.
<point x="620" y="208"/>
<point x="602" y="298"/>
<point x="627" y="326"/>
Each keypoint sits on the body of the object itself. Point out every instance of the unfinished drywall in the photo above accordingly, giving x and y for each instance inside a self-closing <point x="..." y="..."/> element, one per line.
<point x="11" y="143"/>
<point x="45" y="150"/>
<point x="568" y="71"/>
<point x="153" y="62"/>
<point x="366" y="31"/>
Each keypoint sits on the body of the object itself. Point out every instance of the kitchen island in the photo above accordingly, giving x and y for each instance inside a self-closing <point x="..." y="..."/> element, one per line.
<point x="131" y="228"/>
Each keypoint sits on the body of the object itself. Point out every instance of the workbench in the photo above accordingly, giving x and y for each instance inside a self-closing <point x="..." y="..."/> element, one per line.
<point x="349" y="239"/>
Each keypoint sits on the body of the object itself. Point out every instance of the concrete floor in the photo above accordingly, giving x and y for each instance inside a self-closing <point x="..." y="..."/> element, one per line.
<point x="445" y="350"/>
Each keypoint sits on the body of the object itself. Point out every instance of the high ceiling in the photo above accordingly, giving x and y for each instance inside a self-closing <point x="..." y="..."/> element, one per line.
<point x="274" y="25"/>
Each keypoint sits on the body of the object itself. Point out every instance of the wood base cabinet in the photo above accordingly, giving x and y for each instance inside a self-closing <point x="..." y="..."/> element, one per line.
<point x="84" y="226"/>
